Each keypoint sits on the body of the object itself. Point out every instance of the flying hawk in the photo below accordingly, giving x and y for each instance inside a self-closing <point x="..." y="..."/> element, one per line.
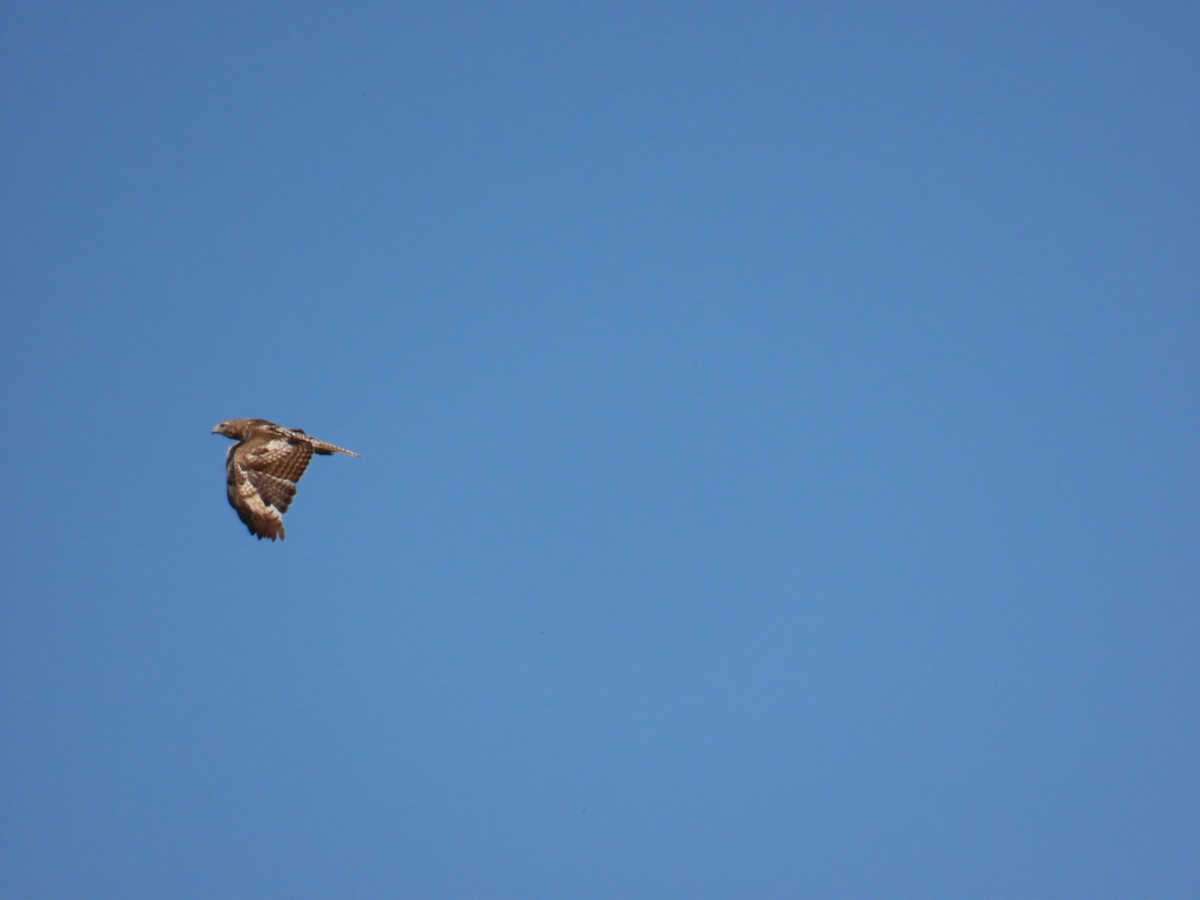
<point x="262" y="469"/>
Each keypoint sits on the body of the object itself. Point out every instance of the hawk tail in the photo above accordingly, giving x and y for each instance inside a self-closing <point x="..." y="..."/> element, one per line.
<point x="326" y="449"/>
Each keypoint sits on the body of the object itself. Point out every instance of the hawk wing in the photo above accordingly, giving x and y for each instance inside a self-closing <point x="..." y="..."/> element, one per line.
<point x="261" y="478"/>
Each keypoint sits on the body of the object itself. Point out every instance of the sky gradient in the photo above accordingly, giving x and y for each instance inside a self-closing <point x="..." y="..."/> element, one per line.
<point x="779" y="427"/>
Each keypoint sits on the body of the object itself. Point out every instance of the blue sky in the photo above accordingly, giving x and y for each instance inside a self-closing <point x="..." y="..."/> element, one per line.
<point x="779" y="428"/>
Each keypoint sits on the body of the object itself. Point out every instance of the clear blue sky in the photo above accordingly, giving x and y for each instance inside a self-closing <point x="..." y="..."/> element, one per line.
<point x="780" y="430"/>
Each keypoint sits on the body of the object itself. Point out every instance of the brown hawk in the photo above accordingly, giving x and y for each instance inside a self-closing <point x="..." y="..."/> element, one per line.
<point x="262" y="469"/>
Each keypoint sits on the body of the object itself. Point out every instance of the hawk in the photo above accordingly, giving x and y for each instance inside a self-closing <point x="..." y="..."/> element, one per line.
<point x="262" y="469"/>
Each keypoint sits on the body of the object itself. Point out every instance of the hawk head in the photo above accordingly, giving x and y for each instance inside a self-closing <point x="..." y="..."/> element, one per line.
<point x="238" y="429"/>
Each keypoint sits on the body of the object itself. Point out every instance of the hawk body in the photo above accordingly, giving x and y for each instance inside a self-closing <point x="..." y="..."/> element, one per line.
<point x="262" y="469"/>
